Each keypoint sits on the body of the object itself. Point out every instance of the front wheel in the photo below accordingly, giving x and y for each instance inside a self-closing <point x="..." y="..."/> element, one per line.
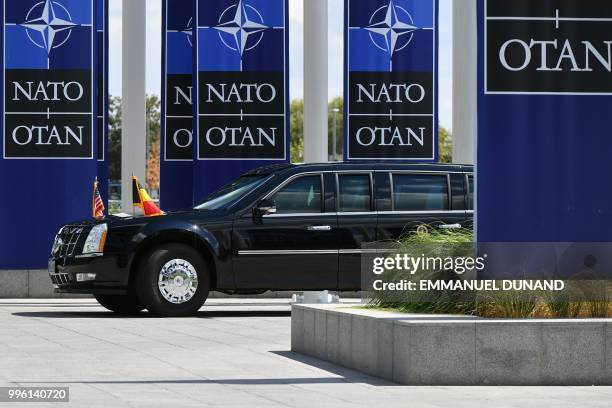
<point x="122" y="304"/>
<point x="173" y="281"/>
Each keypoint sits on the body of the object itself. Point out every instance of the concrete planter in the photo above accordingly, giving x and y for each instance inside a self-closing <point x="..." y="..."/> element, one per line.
<point x="456" y="350"/>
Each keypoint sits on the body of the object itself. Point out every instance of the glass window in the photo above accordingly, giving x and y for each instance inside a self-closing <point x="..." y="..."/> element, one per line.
<point x="230" y="193"/>
<point x="302" y="195"/>
<point x="470" y="192"/>
<point x="354" y="193"/>
<point x="420" y="192"/>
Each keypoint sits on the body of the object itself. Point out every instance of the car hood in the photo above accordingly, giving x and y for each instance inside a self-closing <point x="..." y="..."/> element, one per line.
<point x="127" y="220"/>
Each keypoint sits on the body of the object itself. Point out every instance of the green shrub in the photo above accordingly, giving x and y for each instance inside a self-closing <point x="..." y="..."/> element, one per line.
<point x="561" y="305"/>
<point x="598" y="295"/>
<point x="433" y="243"/>
<point x="502" y="304"/>
<point x="508" y="304"/>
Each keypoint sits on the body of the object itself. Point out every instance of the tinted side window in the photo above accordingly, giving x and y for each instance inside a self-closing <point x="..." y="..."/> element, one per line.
<point x="302" y="195"/>
<point x="470" y="192"/>
<point x="355" y="193"/>
<point x="420" y="192"/>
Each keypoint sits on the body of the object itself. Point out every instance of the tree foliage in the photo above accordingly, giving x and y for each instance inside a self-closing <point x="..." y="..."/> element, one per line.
<point x="153" y="165"/>
<point x="336" y="103"/>
<point x="297" y="131"/>
<point x="153" y="117"/>
<point x="153" y="113"/>
<point x="445" y="143"/>
<point x="114" y="138"/>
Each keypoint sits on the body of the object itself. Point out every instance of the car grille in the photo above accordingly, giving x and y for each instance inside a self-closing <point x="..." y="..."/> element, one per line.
<point x="61" y="278"/>
<point x="70" y="240"/>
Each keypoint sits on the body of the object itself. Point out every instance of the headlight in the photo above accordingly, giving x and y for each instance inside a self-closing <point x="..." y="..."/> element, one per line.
<point x="96" y="239"/>
<point x="57" y="243"/>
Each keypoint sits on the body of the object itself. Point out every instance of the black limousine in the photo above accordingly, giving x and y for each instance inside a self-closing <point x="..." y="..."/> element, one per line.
<point x="281" y="227"/>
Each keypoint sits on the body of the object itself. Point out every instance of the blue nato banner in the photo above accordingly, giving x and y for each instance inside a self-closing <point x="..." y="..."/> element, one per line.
<point x="544" y="103"/>
<point x="242" y="67"/>
<point x="102" y="101"/>
<point x="390" y="80"/>
<point x="48" y="159"/>
<point x="177" y="143"/>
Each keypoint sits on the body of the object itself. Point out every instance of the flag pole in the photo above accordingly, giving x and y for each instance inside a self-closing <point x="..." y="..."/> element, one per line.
<point x="93" y="198"/>
<point x="133" y="209"/>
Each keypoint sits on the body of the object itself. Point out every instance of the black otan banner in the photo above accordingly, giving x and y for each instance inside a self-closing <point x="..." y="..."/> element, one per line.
<point x="544" y="98"/>
<point x="242" y="68"/>
<point x="49" y="89"/>
<point x="176" y="165"/>
<point x="390" y="88"/>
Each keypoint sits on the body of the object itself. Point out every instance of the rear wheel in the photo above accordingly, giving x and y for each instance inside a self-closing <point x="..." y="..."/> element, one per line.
<point x="123" y="304"/>
<point x="173" y="281"/>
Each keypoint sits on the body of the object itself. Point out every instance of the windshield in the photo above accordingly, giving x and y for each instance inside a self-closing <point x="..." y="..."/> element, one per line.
<point x="231" y="193"/>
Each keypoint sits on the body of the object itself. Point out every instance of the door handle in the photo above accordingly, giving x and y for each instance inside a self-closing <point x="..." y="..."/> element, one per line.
<point x="319" y="228"/>
<point x="450" y="226"/>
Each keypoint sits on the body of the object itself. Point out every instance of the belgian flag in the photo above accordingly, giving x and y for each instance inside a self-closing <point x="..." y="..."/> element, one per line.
<point x="140" y="198"/>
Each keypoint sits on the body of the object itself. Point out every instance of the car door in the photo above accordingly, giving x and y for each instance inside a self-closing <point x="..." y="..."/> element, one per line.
<point x="293" y="248"/>
<point x="356" y="224"/>
<point x="419" y="199"/>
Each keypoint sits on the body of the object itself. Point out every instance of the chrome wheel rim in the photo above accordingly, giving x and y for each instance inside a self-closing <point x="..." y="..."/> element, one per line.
<point x="178" y="281"/>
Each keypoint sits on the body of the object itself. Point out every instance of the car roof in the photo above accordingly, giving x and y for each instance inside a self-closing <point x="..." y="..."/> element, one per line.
<point x="340" y="166"/>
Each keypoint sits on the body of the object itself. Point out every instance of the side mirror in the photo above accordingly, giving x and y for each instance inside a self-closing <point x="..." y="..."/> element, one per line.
<point x="264" y="207"/>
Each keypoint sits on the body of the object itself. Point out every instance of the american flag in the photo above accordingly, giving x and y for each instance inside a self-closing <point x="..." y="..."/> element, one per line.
<point x="97" y="203"/>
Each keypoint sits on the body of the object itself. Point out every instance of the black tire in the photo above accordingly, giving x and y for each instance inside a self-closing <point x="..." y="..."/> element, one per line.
<point x="122" y="304"/>
<point x="147" y="280"/>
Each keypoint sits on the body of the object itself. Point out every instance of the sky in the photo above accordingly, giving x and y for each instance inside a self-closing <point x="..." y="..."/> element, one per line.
<point x="296" y="40"/>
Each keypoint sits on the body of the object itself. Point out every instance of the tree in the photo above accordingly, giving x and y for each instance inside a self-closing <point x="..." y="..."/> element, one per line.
<point x="297" y="130"/>
<point x="114" y="138"/>
<point x="153" y="113"/>
<point x="336" y="103"/>
<point x="153" y="165"/>
<point x="153" y="106"/>
<point x="445" y="143"/>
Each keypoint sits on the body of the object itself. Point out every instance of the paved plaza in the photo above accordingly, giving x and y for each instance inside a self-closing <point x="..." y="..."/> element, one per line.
<point x="235" y="353"/>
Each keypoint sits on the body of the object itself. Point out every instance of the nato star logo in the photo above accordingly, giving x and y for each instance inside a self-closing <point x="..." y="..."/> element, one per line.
<point x="188" y="31"/>
<point x="391" y="28"/>
<point x="48" y="25"/>
<point x="241" y="27"/>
